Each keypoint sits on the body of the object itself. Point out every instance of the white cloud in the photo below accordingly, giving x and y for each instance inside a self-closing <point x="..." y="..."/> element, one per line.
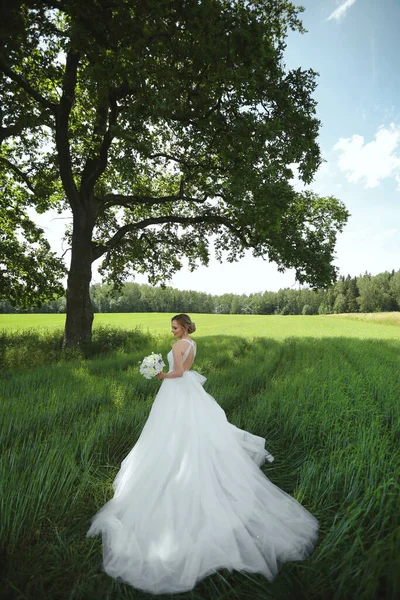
<point x="366" y="249"/>
<point x="373" y="161"/>
<point x="341" y="10"/>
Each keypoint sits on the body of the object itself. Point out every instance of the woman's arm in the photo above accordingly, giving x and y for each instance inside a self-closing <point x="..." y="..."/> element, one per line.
<point x="177" y="350"/>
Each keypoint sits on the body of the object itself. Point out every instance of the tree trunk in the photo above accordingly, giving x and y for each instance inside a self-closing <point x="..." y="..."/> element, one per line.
<point x="78" y="325"/>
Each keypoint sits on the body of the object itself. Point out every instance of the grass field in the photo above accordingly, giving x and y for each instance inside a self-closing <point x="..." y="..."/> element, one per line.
<point x="277" y="327"/>
<point x="324" y="391"/>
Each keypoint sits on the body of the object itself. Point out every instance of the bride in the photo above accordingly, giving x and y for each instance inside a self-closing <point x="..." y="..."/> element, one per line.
<point x="190" y="498"/>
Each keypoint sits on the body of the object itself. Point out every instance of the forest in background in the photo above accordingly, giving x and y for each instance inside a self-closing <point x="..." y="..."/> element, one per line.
<point x="365" y="293"/>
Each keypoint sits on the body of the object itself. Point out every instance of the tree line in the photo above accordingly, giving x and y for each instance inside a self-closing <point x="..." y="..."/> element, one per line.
<point x="365" y="293"/>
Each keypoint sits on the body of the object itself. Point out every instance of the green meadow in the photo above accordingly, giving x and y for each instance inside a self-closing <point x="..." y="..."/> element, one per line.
<point x="323" y="390"/>
<point x="277" y="327"/>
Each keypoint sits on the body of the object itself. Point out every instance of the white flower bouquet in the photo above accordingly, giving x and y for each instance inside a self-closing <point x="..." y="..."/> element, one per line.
<point x="152" y="365"/>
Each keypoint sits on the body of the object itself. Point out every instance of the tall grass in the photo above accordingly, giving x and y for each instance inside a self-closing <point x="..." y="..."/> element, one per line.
<point x="385" y="318"/>
<point x="34" y="347"/>
<point x="328" y="408"/>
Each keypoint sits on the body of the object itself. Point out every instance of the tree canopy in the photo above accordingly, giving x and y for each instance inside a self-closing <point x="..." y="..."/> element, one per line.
<point x="162" y="125"/>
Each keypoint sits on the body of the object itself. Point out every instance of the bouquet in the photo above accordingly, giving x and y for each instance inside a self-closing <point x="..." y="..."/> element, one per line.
<point x="152" y="365"/>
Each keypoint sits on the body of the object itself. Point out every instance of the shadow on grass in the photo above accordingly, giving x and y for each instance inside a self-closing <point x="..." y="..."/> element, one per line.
<point x="32" y="347"/>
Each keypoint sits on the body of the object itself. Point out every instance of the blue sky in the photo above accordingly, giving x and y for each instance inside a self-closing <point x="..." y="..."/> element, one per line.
<point x="354" y="45"/>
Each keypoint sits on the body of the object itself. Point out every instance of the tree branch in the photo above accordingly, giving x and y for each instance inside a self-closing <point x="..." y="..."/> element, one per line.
<point x="177" y="159"/>
<point x="191" y="118"/>
<point x="95" y="167"/>
<point x="62" y="126"/>
<point x="196" y="164"/>
<point x="99" y="250"/>
<point x="20" y="173"/>
<point x="108" y="137"/>
<point x="133" y="201"/>
<point x="25" y="85"/>
<point x="28" y="121"/>
<point x="55" y="4"/>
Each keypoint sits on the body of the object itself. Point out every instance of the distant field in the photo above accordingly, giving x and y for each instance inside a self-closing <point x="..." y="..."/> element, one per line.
<point x="386" y="318"/>
<point x="277" y="327"/>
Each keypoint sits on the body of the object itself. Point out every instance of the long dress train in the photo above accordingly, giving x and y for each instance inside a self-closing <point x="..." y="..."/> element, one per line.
<point x="191" y="499"/>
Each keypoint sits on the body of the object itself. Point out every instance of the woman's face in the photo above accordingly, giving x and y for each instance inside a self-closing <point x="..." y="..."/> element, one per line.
<point x="177" y="330"/>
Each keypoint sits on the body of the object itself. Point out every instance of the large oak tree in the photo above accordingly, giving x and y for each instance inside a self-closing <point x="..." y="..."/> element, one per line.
<point x="161" y="125"/>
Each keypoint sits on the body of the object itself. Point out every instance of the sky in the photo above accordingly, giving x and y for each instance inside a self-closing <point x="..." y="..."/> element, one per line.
<point x="354" y="46"/>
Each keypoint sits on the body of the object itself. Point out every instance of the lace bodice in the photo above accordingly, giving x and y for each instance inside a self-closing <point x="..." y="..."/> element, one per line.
<point x="170" y="355"/>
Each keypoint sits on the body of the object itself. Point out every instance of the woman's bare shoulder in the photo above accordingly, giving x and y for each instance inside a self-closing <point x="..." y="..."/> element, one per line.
<point x="180" y="344"/>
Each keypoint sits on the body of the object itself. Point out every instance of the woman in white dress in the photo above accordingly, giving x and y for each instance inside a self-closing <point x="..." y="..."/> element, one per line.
<point x="190" y="498"/>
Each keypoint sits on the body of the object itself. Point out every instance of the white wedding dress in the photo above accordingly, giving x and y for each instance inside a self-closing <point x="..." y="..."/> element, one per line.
<point x="190" y="498"/>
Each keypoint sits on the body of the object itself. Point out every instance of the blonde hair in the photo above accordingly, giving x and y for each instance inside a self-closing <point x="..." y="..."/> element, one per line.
<point x="185" y="321"/>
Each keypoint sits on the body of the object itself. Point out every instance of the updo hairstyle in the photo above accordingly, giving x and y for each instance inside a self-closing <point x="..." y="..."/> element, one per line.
<point x="185" y="321"/>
